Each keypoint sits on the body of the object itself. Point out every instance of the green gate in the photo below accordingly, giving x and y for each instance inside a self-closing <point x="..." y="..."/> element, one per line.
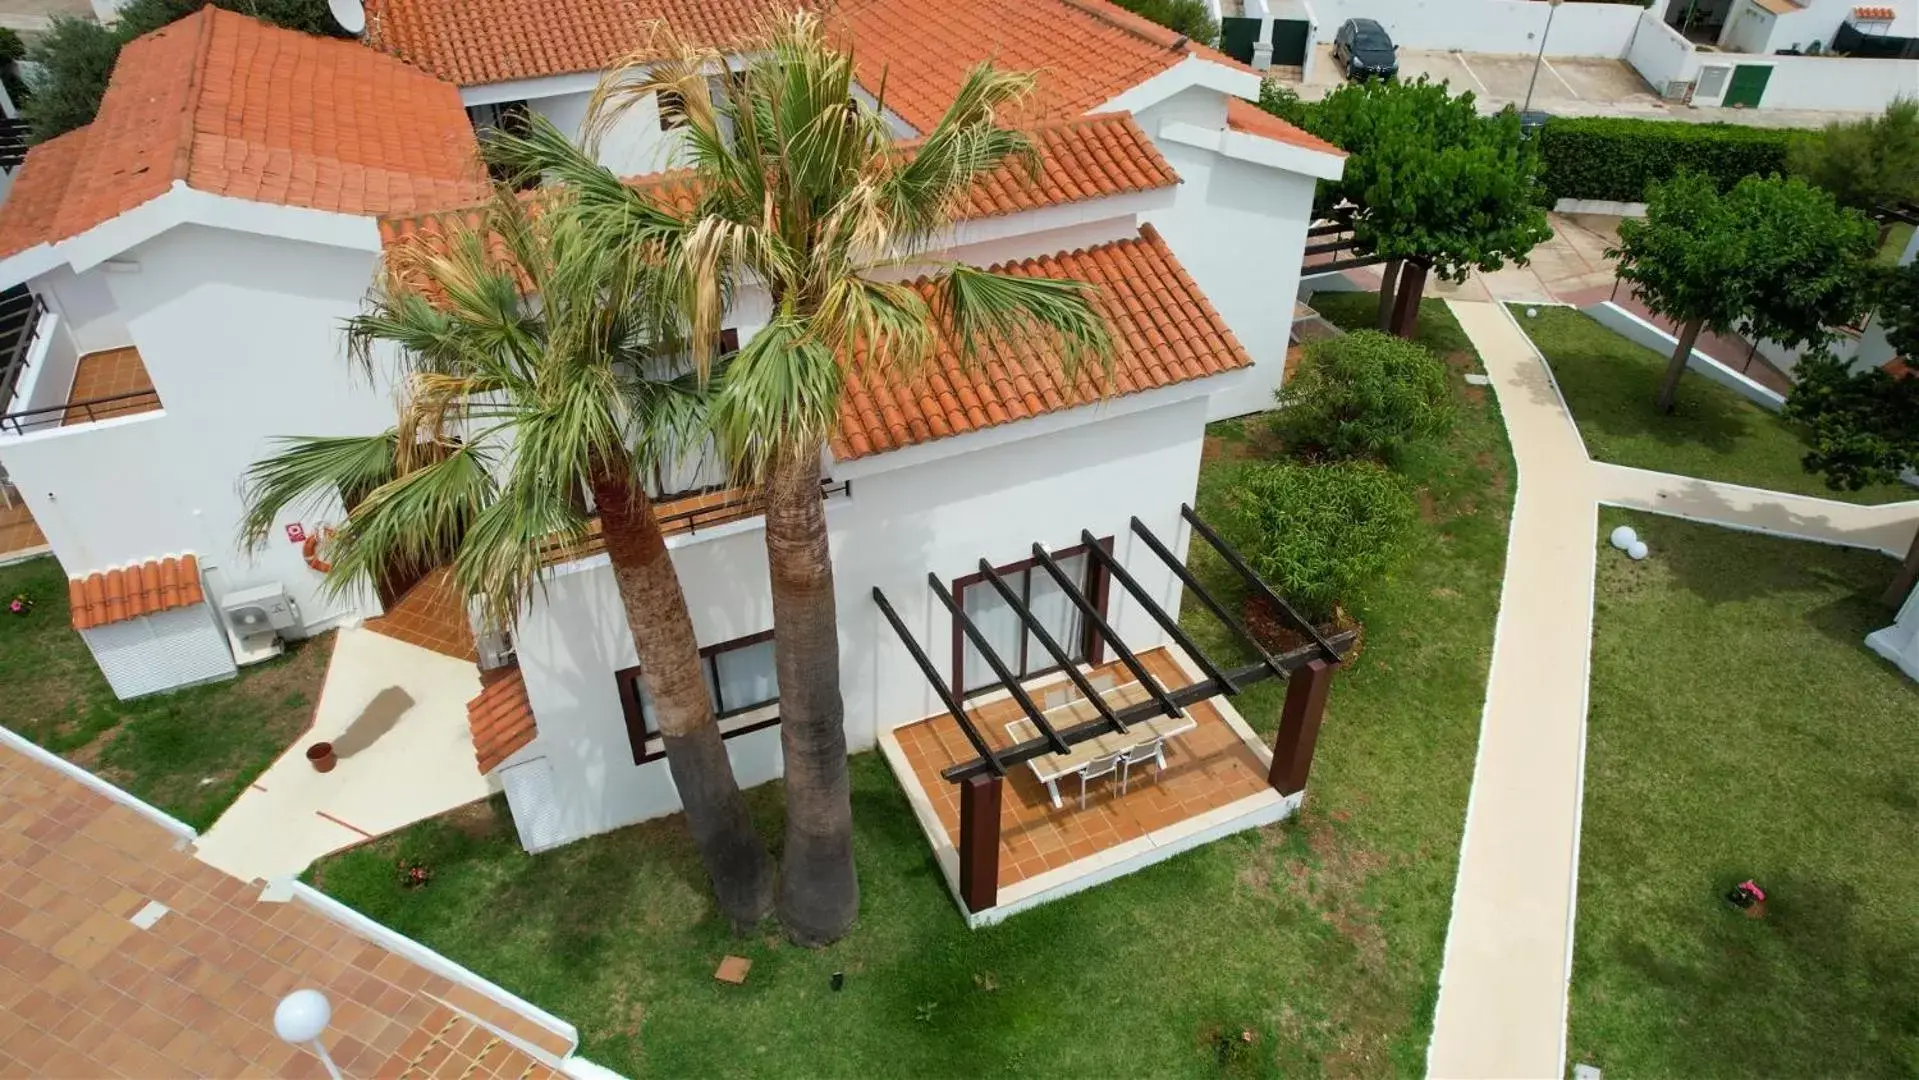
<point x="1291" y="39"/>
<point x="1748" y="85"/>
<point x="1237" y="36"/>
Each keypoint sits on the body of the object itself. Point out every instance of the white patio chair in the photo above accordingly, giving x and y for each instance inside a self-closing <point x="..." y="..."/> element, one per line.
<point x="1154" y="751"/>
<point x="1096" y="768"/>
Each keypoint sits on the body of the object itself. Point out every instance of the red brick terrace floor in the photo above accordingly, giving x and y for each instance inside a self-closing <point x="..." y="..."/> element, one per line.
<point x="18" y="532"/>
<point x="111" y="374"/>
<point x="87" y="993"/>
<point x="432" y="616"/>
<point x="1206" y="768"/>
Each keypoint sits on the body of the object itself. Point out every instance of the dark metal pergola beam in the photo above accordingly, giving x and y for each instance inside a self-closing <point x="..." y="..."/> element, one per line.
<point x="1252" y="580"/>
<point x="1038" y="630"/>
<point x="1166" y="622"/>
<point x="988" y="761"/>
<point x="1107" y="634"/>
<point x="1000" y="671"/>
<point x="1198" y="589"/>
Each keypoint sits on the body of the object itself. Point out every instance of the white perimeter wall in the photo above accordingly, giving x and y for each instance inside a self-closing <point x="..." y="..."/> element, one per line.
<point x="1240" y="231"/>
<point x="1489" y="26"/>
<point x="939" y="515"/>
<point x="1660" y="53"/>
<point x="242" y="337"/>
<point x="635" y="144"/>
<point x="1829" y="82"/>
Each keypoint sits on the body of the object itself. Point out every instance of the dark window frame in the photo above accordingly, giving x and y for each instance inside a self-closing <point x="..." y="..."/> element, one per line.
<point x="627" y="679"/>
<point x="670" y="119"/>
<point x="1091" y="645"/>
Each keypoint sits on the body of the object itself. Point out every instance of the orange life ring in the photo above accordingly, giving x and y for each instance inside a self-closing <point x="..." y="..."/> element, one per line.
<point x="311" y="549"/>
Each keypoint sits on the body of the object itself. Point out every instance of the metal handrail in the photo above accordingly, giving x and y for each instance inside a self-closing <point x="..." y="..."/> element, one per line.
<point x="29" y="309"/>
<point x="91" y="409"/>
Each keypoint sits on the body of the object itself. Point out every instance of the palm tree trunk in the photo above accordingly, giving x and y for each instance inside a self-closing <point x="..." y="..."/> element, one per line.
<point x="1388" y="281"/>
<point x="1669" y="386"/>
<point x="819" y="890"/>
<point x="735" y="858"/>
<point x="1906" y="578"/>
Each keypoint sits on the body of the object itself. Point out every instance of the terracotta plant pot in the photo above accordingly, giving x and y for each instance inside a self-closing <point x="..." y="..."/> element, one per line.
<point x="320" y="756"/>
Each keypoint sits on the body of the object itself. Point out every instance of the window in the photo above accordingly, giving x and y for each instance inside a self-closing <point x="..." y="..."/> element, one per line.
<point x="740" y="678"/>
<point x="1017" y="647"/>
<point x="672" y="110"/>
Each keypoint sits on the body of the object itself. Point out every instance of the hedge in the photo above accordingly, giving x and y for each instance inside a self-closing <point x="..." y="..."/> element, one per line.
<point x="1614" y="158"/>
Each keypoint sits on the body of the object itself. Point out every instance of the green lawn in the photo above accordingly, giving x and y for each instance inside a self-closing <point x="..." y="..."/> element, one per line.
<point x="1307" y="948"/>
<point x="1611" y="384"/>
<point x="189" y="753"/>
<point x="1739" y="729"/>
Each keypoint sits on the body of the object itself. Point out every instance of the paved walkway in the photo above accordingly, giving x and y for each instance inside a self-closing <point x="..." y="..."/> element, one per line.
<point x="1502" y="988"/>
<point x="396" y="715"/>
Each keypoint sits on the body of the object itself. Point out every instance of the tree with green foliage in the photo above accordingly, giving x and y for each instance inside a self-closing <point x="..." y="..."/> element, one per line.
<point x="802" y="192"/>
<point x="1436" y="187"/>
<point x="536" y="366"/>
<point x="1321" y="535"/>
<point x="1778" y="256"/>
<point x="1188" y="17"/>
<point x="1365" y="393"/>
<point x="75" y="56"/>
<point x="1866" y="163"/>
<point x="1864" y="429"/>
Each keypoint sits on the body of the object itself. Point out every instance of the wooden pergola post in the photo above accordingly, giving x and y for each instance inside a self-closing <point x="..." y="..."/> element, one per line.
<point x="1299" y="727"/>
<point x="979" y="841"/>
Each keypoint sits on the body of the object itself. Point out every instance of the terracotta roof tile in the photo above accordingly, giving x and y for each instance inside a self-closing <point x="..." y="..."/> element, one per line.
<point x="1164" y="332"/>
<point x="501" y="718"/>
<point x="1873" y="14"/>
<point x="1085" y="52"/>
<point x="1248" y="118"/>
<point x="128" y="592"/>
<point x="231" y="106"/>
<point x="474" y="42"/>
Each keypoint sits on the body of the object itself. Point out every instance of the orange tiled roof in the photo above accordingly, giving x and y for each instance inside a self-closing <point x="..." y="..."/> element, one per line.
<point x="1085" y="52"/>
<point x="129" y="592"/>
<point x="1873" y="14"/>
<point x="232" y="106"/>
<point x="1085" y="158"/>
<point x="1250" y="119"/>
<point x="501" y="719"/>
<point x="474" y="42"/>
<point x="1164" y="332"/>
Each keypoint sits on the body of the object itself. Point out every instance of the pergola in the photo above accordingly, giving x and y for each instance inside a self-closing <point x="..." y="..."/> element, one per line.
<point x="1308" y="671"/>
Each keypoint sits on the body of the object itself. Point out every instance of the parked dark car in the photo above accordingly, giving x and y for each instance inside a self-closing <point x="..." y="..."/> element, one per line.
<point x="1364" y="50"/>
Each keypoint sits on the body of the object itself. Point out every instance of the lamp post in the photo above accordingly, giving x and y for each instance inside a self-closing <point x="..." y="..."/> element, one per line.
<point x="1552" y="8"/>
<point x="300" y="1018"/>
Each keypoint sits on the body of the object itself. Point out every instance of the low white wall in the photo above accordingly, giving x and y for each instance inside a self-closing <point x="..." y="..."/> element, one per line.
<point x="1660" y="54"/>
<point x="1639" y="331"/>
<point x="1840" y="83"/>
<point x="1490" y="26"/>
<point x="939" y="516"/>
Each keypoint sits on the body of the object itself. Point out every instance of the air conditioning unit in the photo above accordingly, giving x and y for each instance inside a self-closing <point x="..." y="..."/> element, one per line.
<point x="254" y="619"/>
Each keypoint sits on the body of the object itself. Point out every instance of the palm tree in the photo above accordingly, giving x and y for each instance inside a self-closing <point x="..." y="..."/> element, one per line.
<point x="533" y="371"/>
<point x="798" y="189"/>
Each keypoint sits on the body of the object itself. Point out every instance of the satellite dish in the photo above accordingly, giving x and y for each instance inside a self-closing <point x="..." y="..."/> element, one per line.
<point x="350" y="14"/>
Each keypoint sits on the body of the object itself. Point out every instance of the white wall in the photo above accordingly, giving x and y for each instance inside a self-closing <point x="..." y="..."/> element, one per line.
<point x="939" y="515"/>
<point x="1836" y="82"/>
<point x="85" y="303"/>
<point x="242" y="337"/>
<point x="1240" y="231"/>
<point x="51" y="361"/>
<point x="1490" y="26"/>
<point x="1748" y="29"/>
<point x="1660" y="53"/>
<point x="633" y="145"/>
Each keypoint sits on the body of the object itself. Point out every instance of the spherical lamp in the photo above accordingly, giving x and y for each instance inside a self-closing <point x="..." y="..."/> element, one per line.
<point x="1623" y="537"/>
<point x="301" y="1018"/>
<point x="1638" y="550"/>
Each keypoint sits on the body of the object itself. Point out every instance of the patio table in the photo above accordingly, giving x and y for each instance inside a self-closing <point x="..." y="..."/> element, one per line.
<point x="1050" y="768"/>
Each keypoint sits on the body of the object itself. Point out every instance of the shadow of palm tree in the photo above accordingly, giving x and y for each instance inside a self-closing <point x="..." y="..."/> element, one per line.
<point x="374" y="721"/>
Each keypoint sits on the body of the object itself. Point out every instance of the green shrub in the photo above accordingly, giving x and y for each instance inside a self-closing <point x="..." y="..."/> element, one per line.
<point x="1601" y="157"/>
<point x="1321" y="535"/>
<point x="1365" y="393"/>
<point x="1188" y="17"/>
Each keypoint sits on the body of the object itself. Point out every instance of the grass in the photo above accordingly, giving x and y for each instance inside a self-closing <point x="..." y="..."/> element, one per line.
<point x="190" y="752"/>
<point x="1307" y="948"/>
<point x="1611" y="385"/>
<point x="1738" y="730"/>
<point x="1896" y="240"/>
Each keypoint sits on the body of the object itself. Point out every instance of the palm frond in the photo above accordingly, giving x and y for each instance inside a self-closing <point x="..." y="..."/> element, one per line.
<point x="309" y="475"/>
<point x="780" y="395"/>
<point x="416" y="519"/>
<point x="979" y="307"/>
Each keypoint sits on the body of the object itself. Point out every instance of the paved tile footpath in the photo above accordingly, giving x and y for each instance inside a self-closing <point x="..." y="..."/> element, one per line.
<point x="95" y="985"/>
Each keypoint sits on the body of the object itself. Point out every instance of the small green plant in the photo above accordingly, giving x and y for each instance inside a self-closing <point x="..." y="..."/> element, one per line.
<point x="1322" y="535"/>
<point x="1365" y="393"/>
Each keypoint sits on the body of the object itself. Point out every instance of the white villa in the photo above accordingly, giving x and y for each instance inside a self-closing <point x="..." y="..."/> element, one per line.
<point x="197" y="247"/>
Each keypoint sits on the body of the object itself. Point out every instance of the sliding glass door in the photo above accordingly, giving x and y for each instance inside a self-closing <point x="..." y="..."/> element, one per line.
<point x="1019" y="649"/>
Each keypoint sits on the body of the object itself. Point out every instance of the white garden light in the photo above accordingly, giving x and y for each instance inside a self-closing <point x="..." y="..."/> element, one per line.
<point x="301" y="1018"/>
<point x="1638" y="550"/>
<point x="1624" y="537"/>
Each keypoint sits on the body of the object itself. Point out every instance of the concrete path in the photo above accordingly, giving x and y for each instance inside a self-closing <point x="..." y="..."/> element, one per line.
<point x="396" y="715"/>
<point x="1502" y="986"/>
